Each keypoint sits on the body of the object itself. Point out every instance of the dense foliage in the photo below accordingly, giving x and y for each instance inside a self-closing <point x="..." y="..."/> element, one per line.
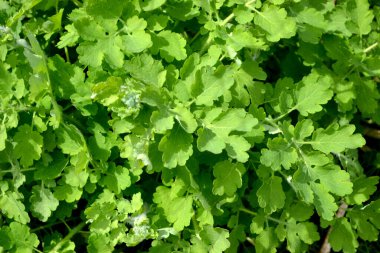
<point x="188" y="126"/>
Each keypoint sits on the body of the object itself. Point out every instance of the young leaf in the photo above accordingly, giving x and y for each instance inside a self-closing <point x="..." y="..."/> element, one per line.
<point x="12" y="207"/>
<point x="276" y="23"/>
<point x="228" y="178"/>
<point x="312" y="92"/>
<point x="43" y="203"/>
<point x="267" y="241"/>
<point x="177" y="209"/>
<point x="213" y="240"/>
<point x="335" y="139"/>
<point x="177" y="147"/>
<point x="342" y="237"/>
<point x="213" y="84"/>
<point x="361" y="16"/>
<point x="215" y="136"/>
<point x="270" y="195"/>
<point x="280" y="153"/>
<point x="324" y="202"/>
<point x="28" y="145"/>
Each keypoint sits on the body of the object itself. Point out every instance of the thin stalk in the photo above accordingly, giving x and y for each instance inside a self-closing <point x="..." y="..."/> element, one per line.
<point x="21" y="170"/>
<point x="77" y="3"/>
<point x="195" y="224"/>
<point x="26" y="7"/>
<point x="371" y="47"/>
<point x="67" y="238"/>
<point x="245" y="210"/>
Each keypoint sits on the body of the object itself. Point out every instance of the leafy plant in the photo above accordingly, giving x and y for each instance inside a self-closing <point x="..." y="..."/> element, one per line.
<point x="189" y="126"/>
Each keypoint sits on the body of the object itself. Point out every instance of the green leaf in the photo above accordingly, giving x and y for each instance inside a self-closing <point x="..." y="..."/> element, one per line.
<point x="276" y="23"/>
<point x="298" y="234"/>
<point x="147" y="70"/>
<point x="334" y="179"/>
<point x="69" y="38"/>
<point x="303" y="129"/>
<point x="117" y="179"/>
<point x="361" y="16"/>
<point x="12" y="207"/>
<point x="185" y="118"/>
<point x="99" y="243"/>
<point x="107" y="9"/>
<point x="67" y="192"/>
<point x="70" y="139"/>
<point x="162" y="121"/>
<point x="213" y="240"/>
<point x="363" y="188"/>
<point x="108" y="49"/>
<point x="342" y="237"/>
<point x="280" y="153"/>
<point x="216" y="134"/>
<point x="136" y="42"/>
<point x="28" y="145"/>
<point x="228" y="178"/>
<point x="335" y="139"/>
<point x="361" y="221"/>
<point x="22" y="240"/>
<point x="367" y="95"/>
<point x="213" y="84"/>
<point x="237" y="236"/>
<point x="177" y="147"/>
<point x="170" y="45"/>
<point x="307" y="232"/>
<point x="270" y="195"/>
<point x="309" y="96"/>
<point x="267" y="241"/>
<point x="43" y="203"/>
<point x="324" y="202"/>
<point x="74" y="177"/>
<point x="177" y="209"/>
<point x="151" y="5"/>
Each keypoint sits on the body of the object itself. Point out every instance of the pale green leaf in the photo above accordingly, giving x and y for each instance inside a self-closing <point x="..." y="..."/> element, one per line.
<point x="312" y="92"/>
<point x="213" y="85"/>
<point x="43" y="202"/>
<point x="276" y="23"/>
<point x="28" y="145"/>
<point x="280" y="153"/>
<point x="335" y="139"/>
<point x="270" y="195"/>
<point x="177" y="147"/>
<point x="324" y="202"/>
<point x="228" y="177"/>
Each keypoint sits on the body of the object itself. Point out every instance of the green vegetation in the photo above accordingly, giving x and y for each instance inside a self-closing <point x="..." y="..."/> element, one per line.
<point x="189" y="126"/>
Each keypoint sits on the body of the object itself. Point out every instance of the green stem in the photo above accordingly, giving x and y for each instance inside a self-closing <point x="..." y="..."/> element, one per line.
<point x="51" y="225"/>
<point x="67" y="238"/>
<point x="77" y="3"/>
<point x="245" y="210"/>
<point x="195" y="224"/>
<point x="21" y="170"/>
<point x="370" y="47"/>
<point x="27" y="6"/>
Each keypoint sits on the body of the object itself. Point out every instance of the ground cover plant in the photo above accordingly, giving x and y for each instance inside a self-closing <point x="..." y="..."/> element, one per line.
<point x="189" y="126"/>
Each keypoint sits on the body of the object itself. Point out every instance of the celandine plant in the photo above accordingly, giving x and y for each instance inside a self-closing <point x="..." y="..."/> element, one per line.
<point x="189" y="126"/>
